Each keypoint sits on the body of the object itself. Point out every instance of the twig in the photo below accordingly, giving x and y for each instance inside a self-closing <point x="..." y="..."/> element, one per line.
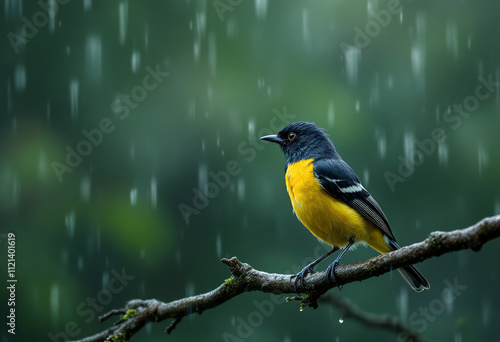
<point x="246" y="279"/>
<point x="348" y="309"/>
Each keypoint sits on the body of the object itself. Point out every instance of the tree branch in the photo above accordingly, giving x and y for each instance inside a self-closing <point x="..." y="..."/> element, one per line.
<point x="245" y="279"/>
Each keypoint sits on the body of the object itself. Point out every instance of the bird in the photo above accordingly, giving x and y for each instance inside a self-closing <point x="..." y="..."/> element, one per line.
<point x="330" y="201"/>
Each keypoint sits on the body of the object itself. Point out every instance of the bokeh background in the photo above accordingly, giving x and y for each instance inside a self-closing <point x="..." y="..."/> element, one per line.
<point x="377" y="75"/>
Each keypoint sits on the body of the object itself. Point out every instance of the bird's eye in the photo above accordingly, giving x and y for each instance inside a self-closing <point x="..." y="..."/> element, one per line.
<point x="291" y="136"/>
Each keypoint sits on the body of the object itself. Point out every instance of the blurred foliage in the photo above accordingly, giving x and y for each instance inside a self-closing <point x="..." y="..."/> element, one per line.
<point x="229" y="74"/>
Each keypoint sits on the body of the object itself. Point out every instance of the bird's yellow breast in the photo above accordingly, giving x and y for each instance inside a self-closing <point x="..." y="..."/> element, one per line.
<point x="327" y="218"/>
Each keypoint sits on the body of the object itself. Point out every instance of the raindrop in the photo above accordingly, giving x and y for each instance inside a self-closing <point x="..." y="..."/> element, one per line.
<point x="93" y="57"/>
<point x="381" y="142"/>
<point x="122" y="20"/>
<point x="482" y="158"/>
<point x="20" y="78"/>
<point x="133" y="196"/>
<point x="261" y="83"/>
<point x="418" y="62"/>
<point x="448" y="297"/>
<point x="305" y="25"/>
<point x="52" y="11"/>
<point x="261" y="8"/>
<point x="452" y="39"/>
<point x="202" y="175"/>
<point x="154" y="192"/>
<point x="370" y="7"/>
<point x="210" y="96"/>
<point x="69" y="221"/>
<point x="135" y="61"/>
<point x="496" y="207"/>
<point x="218" y="245"/>
<point x="42" y="165"/>
<point x="486" y="311"/>
<point x="73" y="97"/>
<point x="241" y="189"/>
<point x="341" y="319"/>
<point x="200" y="23"/>
<point x="54" y="302"/>
<point x="196" y="49"/>
<point x="390" y="82"/>
<point x="146" y="37"/>
<point x="402" y="301"/>
<point x="409" y="145"/>
<point x="352" y="57"/>
<point x="212" y="54"/>
<point x="13" y="9"/>
<point x="366" y="177"/>
<point x="85" y="188"/>
<point x="375" y="91"/>
<point x="105" y="278"/>
<point x="79" y="263"/>
<point x="87" y="5"/>
<point x="190" y="290"/>
<point x="357" y="106"/>
<point x="418" y="50"/>
<point x="231" y="29"/>
<point x="331" y="113"/>
<point x="443" y="152"/>
<point x="251" y="127"/>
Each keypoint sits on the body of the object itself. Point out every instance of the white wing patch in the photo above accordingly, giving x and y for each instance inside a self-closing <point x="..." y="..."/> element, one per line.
<point x="348" y="190"/>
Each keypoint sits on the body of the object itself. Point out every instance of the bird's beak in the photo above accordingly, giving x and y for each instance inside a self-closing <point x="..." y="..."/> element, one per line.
<point x="272" y="138"/>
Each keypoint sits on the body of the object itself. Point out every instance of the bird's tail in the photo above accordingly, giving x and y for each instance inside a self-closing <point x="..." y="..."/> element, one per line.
<point x="409" y="273"/>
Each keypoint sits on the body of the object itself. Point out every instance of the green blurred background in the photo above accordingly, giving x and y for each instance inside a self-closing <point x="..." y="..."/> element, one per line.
<point x="232" y="66"/>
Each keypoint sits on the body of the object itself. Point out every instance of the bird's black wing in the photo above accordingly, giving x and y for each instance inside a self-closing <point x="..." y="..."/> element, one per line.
<point x="340" y="181"/>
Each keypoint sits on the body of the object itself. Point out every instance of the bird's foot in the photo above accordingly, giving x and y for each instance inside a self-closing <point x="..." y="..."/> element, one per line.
<point x="330" y="271"/>
<point x="300" y="276"/>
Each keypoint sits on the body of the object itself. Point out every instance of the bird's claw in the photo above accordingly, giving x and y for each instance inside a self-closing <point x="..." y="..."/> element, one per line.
<point x="330" y="271"/>
<point x="305" y="271"/>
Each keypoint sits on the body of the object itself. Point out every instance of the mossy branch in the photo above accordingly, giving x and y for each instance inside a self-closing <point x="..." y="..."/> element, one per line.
<point x="245" y="279"/>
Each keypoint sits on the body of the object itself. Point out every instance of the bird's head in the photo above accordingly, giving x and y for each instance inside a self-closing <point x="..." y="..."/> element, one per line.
<point x="303" y="140"/>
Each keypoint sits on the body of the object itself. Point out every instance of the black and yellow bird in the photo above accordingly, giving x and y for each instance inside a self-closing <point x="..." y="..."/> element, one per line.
<point x="330" y="201"/>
